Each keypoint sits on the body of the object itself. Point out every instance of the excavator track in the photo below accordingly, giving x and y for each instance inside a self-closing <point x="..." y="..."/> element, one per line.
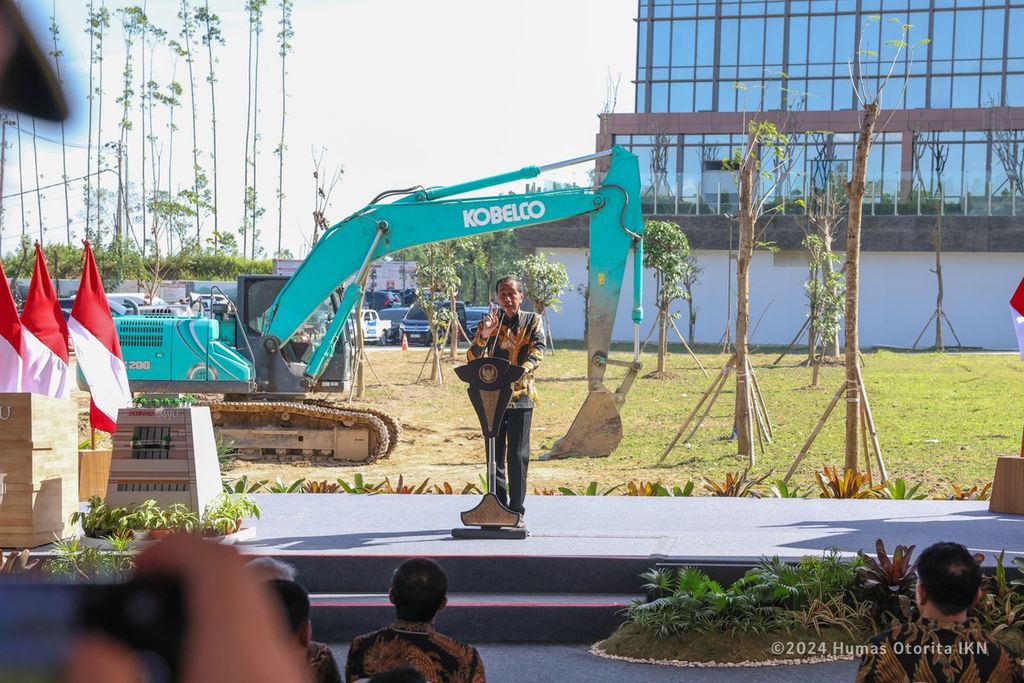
<point x="392" y="425"/>
<point x="314" y="430"/>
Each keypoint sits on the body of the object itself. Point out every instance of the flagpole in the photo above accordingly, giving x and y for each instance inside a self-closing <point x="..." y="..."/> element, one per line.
<point x="93" y="430"/>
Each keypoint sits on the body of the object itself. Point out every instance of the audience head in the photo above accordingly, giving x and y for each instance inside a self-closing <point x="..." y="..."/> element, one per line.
<point x="269" y="568"/>
<point x="294" y="601"/>
<point x="403" y="674"/>
<point x="949" y="578"/>
<point x="419" y="589"/>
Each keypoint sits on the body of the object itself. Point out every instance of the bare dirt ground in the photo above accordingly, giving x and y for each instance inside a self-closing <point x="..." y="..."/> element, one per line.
<point x="440" y="434"/>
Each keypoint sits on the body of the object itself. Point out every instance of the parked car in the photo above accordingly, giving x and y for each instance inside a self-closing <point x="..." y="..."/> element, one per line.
<point x="381" y="298"/>
<point x="415" y="325"/>
<point x="68" y="302"/>
<point x="390" y="322"/>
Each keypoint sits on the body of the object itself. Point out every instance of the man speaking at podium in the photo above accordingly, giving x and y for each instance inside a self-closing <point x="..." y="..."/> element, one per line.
<point x="517" y="336"/>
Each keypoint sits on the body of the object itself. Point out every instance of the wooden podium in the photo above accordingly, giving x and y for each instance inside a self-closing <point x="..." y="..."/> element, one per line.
<point x="39" y="456"/>
<point x="1008" y="486"/>
<point x="490" y="383"/>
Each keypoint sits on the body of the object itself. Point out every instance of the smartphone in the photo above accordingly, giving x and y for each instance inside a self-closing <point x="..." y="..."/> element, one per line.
<point x="40" y="621"/>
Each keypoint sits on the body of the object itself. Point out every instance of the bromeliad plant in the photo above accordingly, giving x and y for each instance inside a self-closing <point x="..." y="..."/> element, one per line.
<point x="888" y="583"/>
<point x="736" y="485"/>
<point x="850" y="484"/>
<point x="897" y="489"/>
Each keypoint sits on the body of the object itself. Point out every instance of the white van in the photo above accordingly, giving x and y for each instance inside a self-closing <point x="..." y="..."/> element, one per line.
<point x="372" y="327"/>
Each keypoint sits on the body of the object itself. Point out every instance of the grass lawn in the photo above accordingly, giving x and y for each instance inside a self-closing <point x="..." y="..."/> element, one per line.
<point x="941" y="418"/>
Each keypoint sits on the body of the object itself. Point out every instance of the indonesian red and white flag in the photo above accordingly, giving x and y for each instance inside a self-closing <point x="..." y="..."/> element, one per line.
<point x="1017" y="314"/>
<point x="98" y="349"/>
<point x="10" y="339"/>
<point x="44" y="339"/>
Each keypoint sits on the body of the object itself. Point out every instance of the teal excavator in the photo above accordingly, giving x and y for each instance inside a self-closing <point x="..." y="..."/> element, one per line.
<point x="283" y="349"/>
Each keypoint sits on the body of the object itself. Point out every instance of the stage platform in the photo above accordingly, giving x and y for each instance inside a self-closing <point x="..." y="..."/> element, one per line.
<point x="570" y="579"/>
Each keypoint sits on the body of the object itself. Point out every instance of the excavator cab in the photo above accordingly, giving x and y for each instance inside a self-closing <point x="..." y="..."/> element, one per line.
<point x="256" y="294"/>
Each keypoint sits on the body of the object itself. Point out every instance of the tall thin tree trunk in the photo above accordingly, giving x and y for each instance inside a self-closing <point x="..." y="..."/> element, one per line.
<point x="99" y="124"/>
<point x="284" y="35"/>
<point x="255" y="130"/>
<point x="246" y="229"/>
<point x="55" y="31"/>
<point x="212" y="79"/>
<point x="186" y="19"/>
<point x="21" y="174"/>
<point x="91" y="30"/>
<point x="747" y="217"/>
<point x="143" y="28"/>
<point x="39" y="194"/>
<point x="938" y="276"/>
<point x="855" y="191"/>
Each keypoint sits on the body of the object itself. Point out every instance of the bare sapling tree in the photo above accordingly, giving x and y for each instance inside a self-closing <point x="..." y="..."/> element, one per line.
<point x="324" y="182"/>
<point x="437" y="279"/>
<point x="761" y="167"/>
<point x="938" y="154"/>
<point x="691" y="276"/>
<point x="659" y="156"/>
<point x="665" y="252"/>
<point x="870" y="76"/>
<point x="869" y="84"/>
<point x="545" y="281"/>
<point x="1007" y="144"/>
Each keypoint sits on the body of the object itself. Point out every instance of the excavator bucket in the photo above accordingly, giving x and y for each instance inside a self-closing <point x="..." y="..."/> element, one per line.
<point x="595" y="432"/>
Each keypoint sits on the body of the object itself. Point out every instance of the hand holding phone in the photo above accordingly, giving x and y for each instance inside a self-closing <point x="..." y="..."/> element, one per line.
<point x="489" y="324"/>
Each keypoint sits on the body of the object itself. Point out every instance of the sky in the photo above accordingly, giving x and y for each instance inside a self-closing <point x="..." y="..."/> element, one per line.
<point x="397" y="92"/>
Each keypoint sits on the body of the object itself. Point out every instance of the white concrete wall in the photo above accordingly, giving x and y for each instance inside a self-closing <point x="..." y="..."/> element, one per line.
<point x="897" y="297"/>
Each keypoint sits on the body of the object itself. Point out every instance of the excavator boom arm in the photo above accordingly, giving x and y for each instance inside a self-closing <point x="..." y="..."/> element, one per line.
<point x="346" y="250"/>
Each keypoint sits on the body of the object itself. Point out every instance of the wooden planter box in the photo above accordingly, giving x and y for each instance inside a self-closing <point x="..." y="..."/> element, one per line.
<point x="1008" y="486"/>
<point x="39" y="455"/>
<point x="93" y="472"/>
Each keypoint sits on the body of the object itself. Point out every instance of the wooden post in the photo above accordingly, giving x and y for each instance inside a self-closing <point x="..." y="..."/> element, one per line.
<point x="814" y="434"/>
<point x="882" y="473"/>
<point x="688" y="349"/>
<point x="712" y="391"/>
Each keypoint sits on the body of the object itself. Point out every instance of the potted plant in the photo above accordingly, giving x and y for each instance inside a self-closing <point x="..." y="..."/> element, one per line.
<point x="101" y="520"/>
<point x="145" y="517"/>
<point x="179" y="518"/>
<point x="225" y="513"/>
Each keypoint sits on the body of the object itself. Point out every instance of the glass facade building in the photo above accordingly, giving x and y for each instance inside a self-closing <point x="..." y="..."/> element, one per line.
<point x="952" y="130"/>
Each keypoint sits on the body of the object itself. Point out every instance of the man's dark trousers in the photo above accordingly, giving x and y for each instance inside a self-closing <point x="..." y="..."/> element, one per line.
<point x="513" y="444"/>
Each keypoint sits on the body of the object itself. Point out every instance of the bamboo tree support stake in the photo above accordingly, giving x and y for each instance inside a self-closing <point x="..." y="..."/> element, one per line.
<point x="751" y="410"/>
<point x="711" y="402"/>
<point x="814" y="434"/>
<point x="807" y="321"/>
<point x="864" y="441"/>
<point x="712" y="391"/>
<point x="762" y="432"/>
<point x="770" y="433"/>
<point x="365" y="358"/>
<point x="870" y="423"/>
<point x="688" y="349"/>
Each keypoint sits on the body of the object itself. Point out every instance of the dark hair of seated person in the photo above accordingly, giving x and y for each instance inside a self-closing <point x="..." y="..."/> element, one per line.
<point x="403" y="674"/>
<point x="950" y="577"/>
<point x="294" y="601"/>
<point x="418" y="589"/>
